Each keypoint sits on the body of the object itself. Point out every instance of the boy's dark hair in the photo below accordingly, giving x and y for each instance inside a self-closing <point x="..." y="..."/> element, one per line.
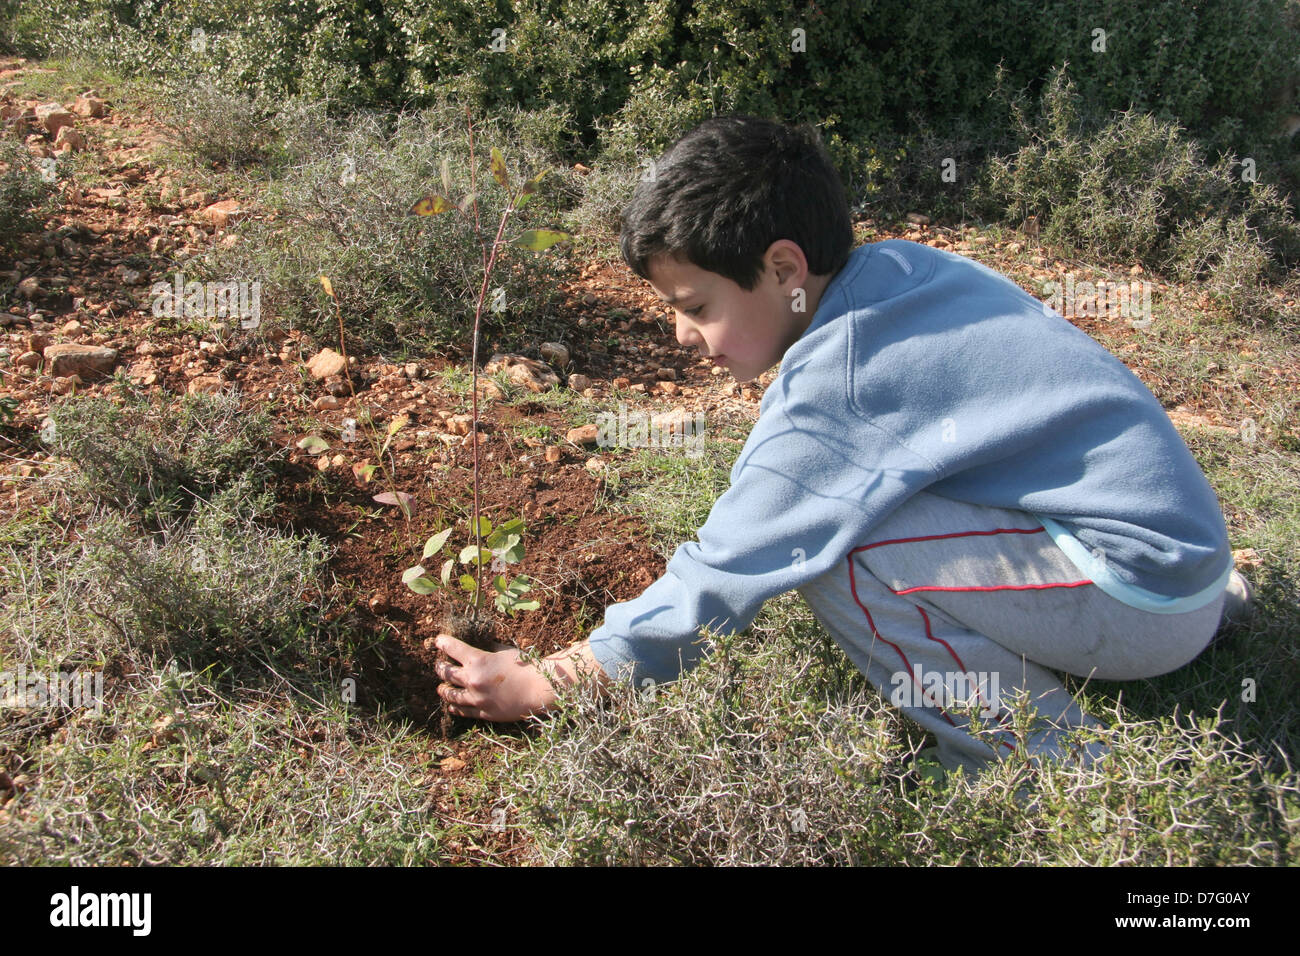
<point x="731" y="187"/>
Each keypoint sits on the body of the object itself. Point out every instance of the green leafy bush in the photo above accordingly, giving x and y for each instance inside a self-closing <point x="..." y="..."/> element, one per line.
<point x="154" y="462"/>
<point x="24" y="191"/>
<point x="1135" y="188"/>
<point x="341" y="209"/>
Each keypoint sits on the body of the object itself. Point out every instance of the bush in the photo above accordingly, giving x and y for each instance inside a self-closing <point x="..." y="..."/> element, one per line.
<point x="24" y="192"/>
<point x="209" y="588"/>
<point x="217" y="126"/>
<point x="156" y="463"/>
<point x="341" y="209"/>
<point x="773" y="752"/>
<point x="1135" y="188"/>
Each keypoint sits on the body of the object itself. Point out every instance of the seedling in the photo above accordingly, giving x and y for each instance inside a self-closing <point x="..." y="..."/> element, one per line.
<point x="501" y="547"/>
<point x="508" y="597"/>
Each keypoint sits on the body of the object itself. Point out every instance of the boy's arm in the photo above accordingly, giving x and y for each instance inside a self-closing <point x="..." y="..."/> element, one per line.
<point x="497" y="685"/>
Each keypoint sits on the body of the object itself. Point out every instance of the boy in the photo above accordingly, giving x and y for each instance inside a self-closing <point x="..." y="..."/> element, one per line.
<point x="966" y="489"/>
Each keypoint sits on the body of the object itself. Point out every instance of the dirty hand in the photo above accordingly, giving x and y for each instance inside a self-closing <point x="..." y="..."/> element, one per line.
<point x="490" y="685"/>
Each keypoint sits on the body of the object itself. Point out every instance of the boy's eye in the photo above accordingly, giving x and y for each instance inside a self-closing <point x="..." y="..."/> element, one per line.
<point x="694" y="313"/>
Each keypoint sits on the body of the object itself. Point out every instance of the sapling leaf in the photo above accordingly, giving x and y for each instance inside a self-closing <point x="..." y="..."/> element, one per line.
<point x="499" y="168"/>
<point x="431" y="205"/>
<point x="468" y="583"/>
<point x="468" y="201"/>
<point x="540" y="239"/>
<point x="416" y="579"/>
<point x="397" y="424"/>
<point x="434" y="544"/>
<point x="363" y="471"/>
<point x="471" y="553"/>
<point x="529" y="188"/>
<point x="446" y="175"/>
<point x="484" y="526"/>
<point x="401" y="499"/>
<point x="313" y="445"/>
<point x="327" y="286"/>
<point x="447" y="567"/>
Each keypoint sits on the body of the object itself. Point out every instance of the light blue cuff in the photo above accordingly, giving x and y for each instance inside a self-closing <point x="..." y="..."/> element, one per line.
<point x="1101" y="575"/>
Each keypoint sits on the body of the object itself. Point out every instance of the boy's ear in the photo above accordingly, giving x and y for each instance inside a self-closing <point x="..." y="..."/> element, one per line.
<point x="785" y="259"/>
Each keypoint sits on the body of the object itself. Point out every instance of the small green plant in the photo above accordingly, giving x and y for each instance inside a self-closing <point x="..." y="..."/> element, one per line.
<point x="501" y="547"/>
<point x="508" y="596"/>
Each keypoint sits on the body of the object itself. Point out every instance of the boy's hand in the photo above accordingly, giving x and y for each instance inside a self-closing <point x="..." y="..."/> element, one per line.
<point x="497" y="685"/>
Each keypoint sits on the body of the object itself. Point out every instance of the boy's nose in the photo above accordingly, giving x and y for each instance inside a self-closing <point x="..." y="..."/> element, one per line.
<point x="687" y="336"/>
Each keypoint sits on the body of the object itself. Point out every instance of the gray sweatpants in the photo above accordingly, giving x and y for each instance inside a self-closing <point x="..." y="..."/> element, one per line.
<point x="951" y="603"/>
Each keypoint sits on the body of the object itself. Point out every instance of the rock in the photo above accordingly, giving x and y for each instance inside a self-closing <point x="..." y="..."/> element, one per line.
<point x="553" y="453"/>
<point x="53" y="117"/>
<point x="412" y="371"/>
<point x="28" y="360"/>
<point x="583" y="434"/>
<point x="595" y="464"/>
<point x="73" y="328"/>
<point x="918" y="219"/>
<point x="39" y="341"/>
<point x="526" y="372"/>
<point x="205" y="384"/>
<point x="1246" y="559"/>
<point x="622" y="382"/>
<point x="30" y="288"/>
<point x="554" y="353"/>
<point x="325" y="363"/>
<point x="62" y="385"/>
<point x="69" y="138"/>
<point x="459" y="424"/>
<point x="87" y="105"/>
<point x="668" y="388"/>
<point x="489" y="390"/>
<point x="579" y="382"/>
<point x="327" y="403"/>
<point x="666" y="374"/>
<point x="222" y="214"/>
<point x="87" y="361"/>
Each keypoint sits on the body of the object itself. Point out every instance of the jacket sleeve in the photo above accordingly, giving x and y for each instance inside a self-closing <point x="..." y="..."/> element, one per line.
<point x="813" y="478"/>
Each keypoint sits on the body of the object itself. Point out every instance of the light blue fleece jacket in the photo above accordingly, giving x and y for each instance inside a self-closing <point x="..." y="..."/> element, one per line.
<point x="924" y="370"/>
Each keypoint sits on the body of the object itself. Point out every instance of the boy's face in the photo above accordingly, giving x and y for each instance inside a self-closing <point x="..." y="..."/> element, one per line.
<point x="746" y="332"/>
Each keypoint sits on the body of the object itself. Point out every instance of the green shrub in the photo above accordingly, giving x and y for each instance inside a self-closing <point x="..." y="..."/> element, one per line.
<point x="216" y="125"/>
<point x="341" y="210"/>
<point x="1135" y="188"/>
<point x="24" y="192"/>
<point x="152" y="462"/>
<point x="773" y="752"/>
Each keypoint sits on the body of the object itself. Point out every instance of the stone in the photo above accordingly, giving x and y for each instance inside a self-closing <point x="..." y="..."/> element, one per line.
<point x="553" y="453"/>
<point x="327" y="403"/>
<point x="222" y="214"/>
<point x="459" y="424"/>
<point x="666" y="374"/>
<point x="39" y="341"/>
<point x="917" y="219"/>
<point x="30" y="288"/>
<point x="73" y="328"/>
<point x="53" y="117"/>
<point x="88" y="361"/>
<point x="325" y="363"/>
<point x="205" y="384"/>
<point x="28" y="360"/>
<point x="62" y="385"/>
<point x="554" y="353"/>
<point x="70" y="138"/>
<point x="528" y="373"/>
<point x="92" y="106"/>
<point x="583" y="434"/>
<point x="579" y="382"/>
